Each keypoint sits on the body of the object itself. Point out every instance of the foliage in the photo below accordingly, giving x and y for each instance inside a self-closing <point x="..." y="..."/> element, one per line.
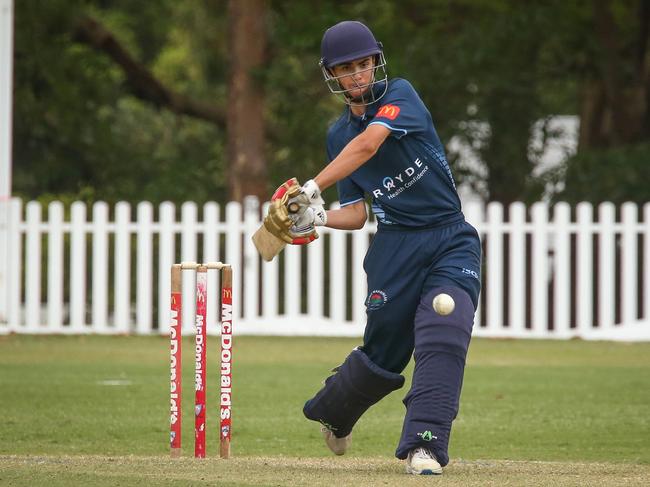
<point x="77" y="131"/>
<point x="488" y="70"/>
<point x="619" y="174"/>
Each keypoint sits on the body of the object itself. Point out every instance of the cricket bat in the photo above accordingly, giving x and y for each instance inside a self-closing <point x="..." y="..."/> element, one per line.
<point x="267" y="244"/>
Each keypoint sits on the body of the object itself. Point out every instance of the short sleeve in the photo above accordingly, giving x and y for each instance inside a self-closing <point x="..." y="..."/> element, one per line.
<point x="349" y="192"/>
<point x="401" y="110"/>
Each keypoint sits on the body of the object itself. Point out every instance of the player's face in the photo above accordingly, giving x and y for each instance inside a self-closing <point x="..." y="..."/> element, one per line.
<point x="355" y="76"/>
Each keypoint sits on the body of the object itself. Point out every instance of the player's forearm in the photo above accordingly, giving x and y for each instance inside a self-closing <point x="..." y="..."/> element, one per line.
<point x="353" y="156"/>
<point x="350" y="217"/>
<point x="340" y="221"/>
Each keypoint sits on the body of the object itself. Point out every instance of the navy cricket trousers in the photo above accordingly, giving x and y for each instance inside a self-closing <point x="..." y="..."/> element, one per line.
<point x="402" y="265"/>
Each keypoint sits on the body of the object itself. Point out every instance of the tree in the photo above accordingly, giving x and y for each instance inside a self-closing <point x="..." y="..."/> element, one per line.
<point x="484" y="70"/>
<point x="208" y="100"/>
<point x="245" y="119"/>
<point x="615" y="107"/>
<point x="79" y="132"/>
<point x="247" y="174"/>
<point x="614" y="84"/>
<point x="617" y="174"/>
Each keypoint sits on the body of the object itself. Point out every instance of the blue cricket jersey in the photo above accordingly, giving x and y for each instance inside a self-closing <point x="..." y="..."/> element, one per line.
<point x="409" y="178"/>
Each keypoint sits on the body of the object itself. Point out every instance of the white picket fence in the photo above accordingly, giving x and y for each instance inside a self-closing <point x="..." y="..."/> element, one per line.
<point x="546" y="274"/>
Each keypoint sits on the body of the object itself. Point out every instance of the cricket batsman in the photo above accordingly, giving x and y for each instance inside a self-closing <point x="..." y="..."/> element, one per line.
<point x="424" y="262"/>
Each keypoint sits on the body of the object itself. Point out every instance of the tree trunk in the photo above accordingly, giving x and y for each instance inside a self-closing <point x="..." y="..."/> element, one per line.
<point x="247" y="173"/>
<point x="595" y="119"/>
<point x="616" y="106"/>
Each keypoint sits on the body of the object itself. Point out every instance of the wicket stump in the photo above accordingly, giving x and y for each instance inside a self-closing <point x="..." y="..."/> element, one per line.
<point x="200" y="348"/>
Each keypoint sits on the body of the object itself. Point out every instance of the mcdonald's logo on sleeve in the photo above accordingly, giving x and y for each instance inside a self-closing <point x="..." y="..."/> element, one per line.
<point x="388" y="111"/>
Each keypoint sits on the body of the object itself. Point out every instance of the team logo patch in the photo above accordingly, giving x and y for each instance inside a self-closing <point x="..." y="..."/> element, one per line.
<point x="427" y="436"/>
<point x="388" y="111"/>
<point x="376" y="299"/>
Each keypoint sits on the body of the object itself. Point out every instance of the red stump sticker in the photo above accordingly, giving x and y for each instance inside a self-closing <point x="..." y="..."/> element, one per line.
<point x="226" y="363"/>
<point x="175" y="383"/>
<point x="200" y="362"/>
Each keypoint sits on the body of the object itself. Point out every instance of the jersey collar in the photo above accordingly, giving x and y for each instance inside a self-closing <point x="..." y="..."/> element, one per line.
<point x="371" y="110"/>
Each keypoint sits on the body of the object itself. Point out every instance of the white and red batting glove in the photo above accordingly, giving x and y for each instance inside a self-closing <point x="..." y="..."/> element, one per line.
<point x="311" y="212"/>
<point x="291" y="217"/>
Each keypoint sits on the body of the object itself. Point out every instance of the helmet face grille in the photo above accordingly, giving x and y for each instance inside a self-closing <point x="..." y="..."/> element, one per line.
<point x="373" y="90"/>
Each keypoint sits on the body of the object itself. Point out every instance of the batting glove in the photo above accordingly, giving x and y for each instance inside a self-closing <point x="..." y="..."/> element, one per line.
<point x="288" y="217"/>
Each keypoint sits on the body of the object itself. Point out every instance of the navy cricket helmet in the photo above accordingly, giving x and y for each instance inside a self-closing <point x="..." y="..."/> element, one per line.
<point x="348" y="41"/>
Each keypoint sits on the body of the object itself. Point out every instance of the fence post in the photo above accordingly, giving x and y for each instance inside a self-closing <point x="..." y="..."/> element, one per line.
<point x="78" y="266"/>
<point x="539" y="279"/>
<point x="166" y="257"/>
<point x="494" y="283"/>
<point x="100" y="267"/>
<point x="144" y="291"/>
<point x="15" y="267"/>
<point x="562" y="271"/>
<point x="211" y="254"/>
<point x="4" y="258"/>
<point x="292" y="285"/>
<point x="55" y="267"/>
<point x="122" y="289"/>
<point x="517" y="269"/>
<point x="584" y="270"/>
<point x="33" y="268"/>
<point x="629" y="263"/>
<point x="646" y="260"/>
<point x="606" y="266"/>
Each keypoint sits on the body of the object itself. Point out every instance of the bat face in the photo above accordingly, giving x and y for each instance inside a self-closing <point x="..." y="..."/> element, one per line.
<point x="267" y="244"/>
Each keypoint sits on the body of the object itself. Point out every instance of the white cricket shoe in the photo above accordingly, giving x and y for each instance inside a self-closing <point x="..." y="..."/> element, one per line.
<point x="421" y="461"/>
<point x="338" y="445"/>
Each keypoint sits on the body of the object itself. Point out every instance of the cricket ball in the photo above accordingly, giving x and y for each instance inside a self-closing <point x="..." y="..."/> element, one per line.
<point x="443" y="304"/>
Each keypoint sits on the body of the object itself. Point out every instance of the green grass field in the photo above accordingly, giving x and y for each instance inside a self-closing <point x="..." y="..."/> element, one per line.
<point x="93" y="410"/>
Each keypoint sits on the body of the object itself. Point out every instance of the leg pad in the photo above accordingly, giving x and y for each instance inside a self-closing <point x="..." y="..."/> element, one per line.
<point x="357" y="384"/>
<point x="441" y="343"/>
